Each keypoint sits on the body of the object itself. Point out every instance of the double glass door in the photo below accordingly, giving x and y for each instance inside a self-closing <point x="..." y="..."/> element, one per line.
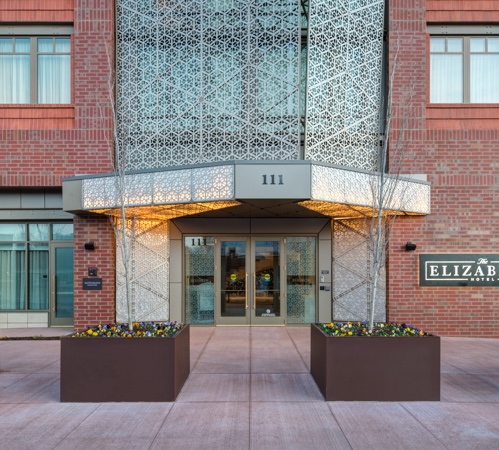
<point x="250" y="281"/>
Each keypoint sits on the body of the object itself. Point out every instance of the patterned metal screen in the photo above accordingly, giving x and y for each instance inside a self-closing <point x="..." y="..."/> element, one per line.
<point x="352" y="272"/>
<point x="345" y="46"/>
<point x="149" y="272"/>
<point x="205" y="81"/>
<point x="218" y="80"/>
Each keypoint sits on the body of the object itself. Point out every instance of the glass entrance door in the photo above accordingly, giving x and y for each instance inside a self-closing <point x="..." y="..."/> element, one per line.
<point x="61" y="285"/>
<point x="250" y="288"/>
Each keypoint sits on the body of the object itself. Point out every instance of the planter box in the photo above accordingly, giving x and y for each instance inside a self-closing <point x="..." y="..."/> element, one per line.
<point x="360" y="368"/>
<point x="124" y="369"/>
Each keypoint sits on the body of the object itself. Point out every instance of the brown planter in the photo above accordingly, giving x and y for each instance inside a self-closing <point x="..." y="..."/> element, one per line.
<point x="360" y="368"/>
<point x="124" y="369"/>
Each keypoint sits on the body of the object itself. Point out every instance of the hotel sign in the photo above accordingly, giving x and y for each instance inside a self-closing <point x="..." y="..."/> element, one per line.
<point x="479" y="269"/>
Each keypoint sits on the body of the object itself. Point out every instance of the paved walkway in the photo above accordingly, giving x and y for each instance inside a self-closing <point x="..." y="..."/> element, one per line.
<point x="249" y="388"/>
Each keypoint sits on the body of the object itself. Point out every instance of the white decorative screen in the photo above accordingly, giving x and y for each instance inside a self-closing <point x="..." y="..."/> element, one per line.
<point x="149" y="275"/>
<point x="206" y="81"/>
<point x="352" y="272"/>
<point x="345" y="48"/>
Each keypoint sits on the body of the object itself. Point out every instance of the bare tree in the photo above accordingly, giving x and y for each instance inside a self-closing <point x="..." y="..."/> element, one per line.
<point x="387" y="189"/>
<point x="122" y="220"/>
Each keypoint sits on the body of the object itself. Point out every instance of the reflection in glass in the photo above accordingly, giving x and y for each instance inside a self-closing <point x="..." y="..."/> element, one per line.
<point x="62" y="231"/>
<point x="233" y="292"/>
<point x="38" y="231"/>
<point x="267" y="279"/>
<point x="64" y="282"/>
<point x="301" y="279"/>
<point x="12" y="232"/>
<point x="199" y="286"/>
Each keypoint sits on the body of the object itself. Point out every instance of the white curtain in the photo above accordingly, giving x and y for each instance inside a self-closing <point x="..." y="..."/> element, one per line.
<point x="446" y="78"/>
<point x="12" y="279"/>
<point x="14" y="79"/>
<point x="54" y="79"/>
<point x="38" y="279"/>
<point x="484" y="76"/>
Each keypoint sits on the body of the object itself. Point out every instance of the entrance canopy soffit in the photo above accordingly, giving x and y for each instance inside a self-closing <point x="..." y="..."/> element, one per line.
<point x="281" y="189"/>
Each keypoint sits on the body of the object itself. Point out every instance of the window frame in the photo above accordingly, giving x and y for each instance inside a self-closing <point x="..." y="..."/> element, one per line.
<point x="34" y="33"/>
<point x="466" y="32"/>
<point x="27" y="243"/>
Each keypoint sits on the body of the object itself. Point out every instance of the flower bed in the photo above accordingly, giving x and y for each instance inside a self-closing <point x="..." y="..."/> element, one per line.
<point x="108" y="363"/>
<point x="361" y="329"/>
<point x="375" y="367"/>
<point x="139" y="329"/>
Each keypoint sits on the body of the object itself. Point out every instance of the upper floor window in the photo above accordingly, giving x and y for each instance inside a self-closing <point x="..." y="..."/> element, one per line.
<point x="35" y="70"/>
<point x="464" y="69"/>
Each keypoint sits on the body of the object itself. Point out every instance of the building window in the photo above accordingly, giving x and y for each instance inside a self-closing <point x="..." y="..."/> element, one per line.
<point x="24" y="263"/>
<point x="464" y="69"/>
<point x="35" y="70"/>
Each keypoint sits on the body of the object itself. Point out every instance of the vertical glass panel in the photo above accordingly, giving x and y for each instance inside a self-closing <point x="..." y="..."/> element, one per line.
<point x="484" y="73"/>
<point x="233" y="292"/>
<point x="62" y="231"/>
<point x="54" y="79"/>
<point x="64" y="282"/>
<point x="267" y="279"/>
<point x="14" y="79"/>
<point x="493" y="44"/>
<point x="454" y="45"/>
<point x="437" y="45"/>
<point x="12" y="232"/>
<point x="38" y="276"/>
<point x="301" y="279"/>
<point x="199" y="283"/>
<point x="45" y="45"/>
<point x="12" y="276"/>
<point x="477" y="45"/>
<point x="62" y="45"/>
<point x="38" y="231"/>
<point x="446" y="79"/>
<point x="6" y="45"/>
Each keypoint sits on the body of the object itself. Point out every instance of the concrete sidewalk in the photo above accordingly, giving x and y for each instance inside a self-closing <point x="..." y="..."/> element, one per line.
<point x="249" y="388"/>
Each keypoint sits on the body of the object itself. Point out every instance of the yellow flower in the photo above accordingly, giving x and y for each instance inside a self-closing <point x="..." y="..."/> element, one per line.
<point x="95" y="333"/>
<point x="90" y="332"/>
<point x="421" y="333"/>
<point x="350" y="333"/>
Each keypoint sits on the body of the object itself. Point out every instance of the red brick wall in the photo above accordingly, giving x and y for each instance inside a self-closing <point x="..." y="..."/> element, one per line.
<point x="37" y="10"/>
<point x="94" y="307"/>
<point x="41" y="144"/>
<point x="456" y="146"/>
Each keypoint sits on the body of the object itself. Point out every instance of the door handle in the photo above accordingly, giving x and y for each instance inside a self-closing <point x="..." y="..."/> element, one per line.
<point x="54" y="297"/>
<point x="254" y="290"/>
<point x="246" y="289"/>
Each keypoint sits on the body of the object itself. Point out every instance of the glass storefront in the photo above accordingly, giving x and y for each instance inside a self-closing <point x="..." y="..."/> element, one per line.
<point x="250" y="280"/>
<point x="199" y="280"/>
<point x="25" y="272"/>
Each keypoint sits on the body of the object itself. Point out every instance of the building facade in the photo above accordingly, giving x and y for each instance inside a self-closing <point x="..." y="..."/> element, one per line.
<point x="239" y="146"/>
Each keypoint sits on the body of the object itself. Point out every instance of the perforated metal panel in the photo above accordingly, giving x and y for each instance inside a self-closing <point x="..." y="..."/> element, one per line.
<point x="352" y="272"/>
<point x="344" y="78"/>
<point x="149" y="272"/>
<point x="205" y="81"/>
